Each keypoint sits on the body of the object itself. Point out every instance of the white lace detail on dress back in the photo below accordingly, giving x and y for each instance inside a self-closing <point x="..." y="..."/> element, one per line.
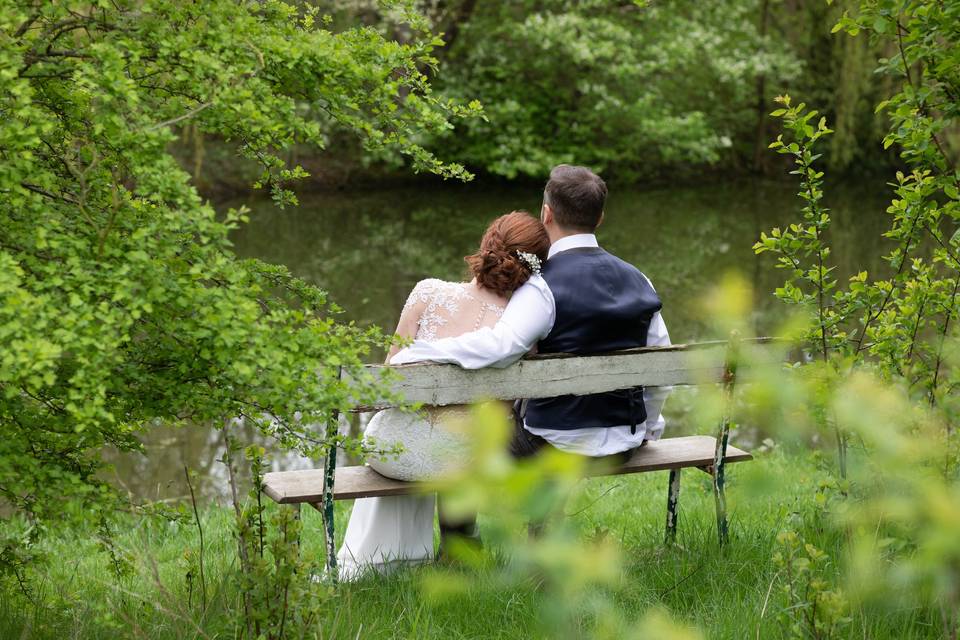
<point x="449" y="309"/>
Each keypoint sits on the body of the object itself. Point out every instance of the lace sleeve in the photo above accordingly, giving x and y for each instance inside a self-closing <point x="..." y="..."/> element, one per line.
<point x="409" y="323"/>
<point x="420" y="297"/>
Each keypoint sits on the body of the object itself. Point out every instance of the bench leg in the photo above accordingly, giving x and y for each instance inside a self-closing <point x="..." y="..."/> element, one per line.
<point x="723" y="435"/>
<point x="329" y="477"/>
<point x="326" y="510"/>
<point x="719" y="482"/>
<point x="673" y="499"/>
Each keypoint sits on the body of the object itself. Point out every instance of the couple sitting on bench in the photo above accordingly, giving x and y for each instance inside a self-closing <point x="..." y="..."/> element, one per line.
<point x="538" y="284"/>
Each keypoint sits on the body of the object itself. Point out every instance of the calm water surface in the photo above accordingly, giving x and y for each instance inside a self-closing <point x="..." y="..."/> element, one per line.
<point x="368" y="248"/>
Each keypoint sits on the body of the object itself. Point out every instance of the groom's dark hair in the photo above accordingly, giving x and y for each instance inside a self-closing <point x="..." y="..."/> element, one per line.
<point x="576" y="195"/>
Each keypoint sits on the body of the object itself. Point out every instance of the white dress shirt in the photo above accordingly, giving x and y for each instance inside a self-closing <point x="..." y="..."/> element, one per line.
<point x="529" y="318"/>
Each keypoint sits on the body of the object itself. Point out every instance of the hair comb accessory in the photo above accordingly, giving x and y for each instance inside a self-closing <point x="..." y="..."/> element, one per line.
<point x="531" y="260"/>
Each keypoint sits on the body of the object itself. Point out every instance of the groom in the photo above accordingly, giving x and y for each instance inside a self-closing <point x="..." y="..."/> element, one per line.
<point x="587" y="301"/>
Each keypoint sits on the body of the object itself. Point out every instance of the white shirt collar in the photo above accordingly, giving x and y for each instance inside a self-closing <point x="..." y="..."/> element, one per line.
<point x="572" y="242"/>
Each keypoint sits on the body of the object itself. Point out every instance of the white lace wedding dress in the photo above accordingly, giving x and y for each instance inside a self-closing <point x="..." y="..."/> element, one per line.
<point x="387" y="532"/>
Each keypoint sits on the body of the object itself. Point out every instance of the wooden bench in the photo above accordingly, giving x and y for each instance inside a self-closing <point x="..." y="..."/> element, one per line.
<point x="547" y="376"/>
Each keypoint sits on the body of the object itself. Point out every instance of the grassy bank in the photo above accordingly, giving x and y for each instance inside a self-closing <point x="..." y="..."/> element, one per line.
<point x="737" y="594"/>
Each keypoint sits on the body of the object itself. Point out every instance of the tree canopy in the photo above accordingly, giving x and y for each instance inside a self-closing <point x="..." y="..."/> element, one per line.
<point x="120" y="299"/>
<point x="641" y="90"/>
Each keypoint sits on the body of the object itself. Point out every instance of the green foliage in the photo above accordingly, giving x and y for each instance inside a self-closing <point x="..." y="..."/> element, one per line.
<point x="812" y="607"/>
<point x="889" y="344"/>
<point x="801" y="242"/>
<point x="904" y="544"/>
<point x="901" y="323"/>
<point x="274" y="579"/>
<point x="893" y="512"/>
<point x="121" y="303"/>
<point x="632" y="91"/>
<point x="638" y="89"/>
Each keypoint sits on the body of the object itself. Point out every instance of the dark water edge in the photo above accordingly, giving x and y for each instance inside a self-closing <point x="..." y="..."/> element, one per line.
<point x="222" y="173"/>
<point x="369" y="247"/>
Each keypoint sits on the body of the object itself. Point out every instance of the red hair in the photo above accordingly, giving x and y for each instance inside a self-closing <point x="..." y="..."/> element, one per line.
<point x="497" y="265"/>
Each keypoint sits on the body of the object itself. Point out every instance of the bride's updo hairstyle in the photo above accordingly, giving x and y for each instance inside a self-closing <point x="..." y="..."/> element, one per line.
<point x="497" y="266"/>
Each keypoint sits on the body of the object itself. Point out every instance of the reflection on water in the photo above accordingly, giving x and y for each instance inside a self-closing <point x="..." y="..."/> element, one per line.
<point x="368" y="249"/>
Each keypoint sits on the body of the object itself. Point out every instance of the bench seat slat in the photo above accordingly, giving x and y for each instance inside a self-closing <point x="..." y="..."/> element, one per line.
<point x="291" y="487"/>
<point x="678" y="453"/>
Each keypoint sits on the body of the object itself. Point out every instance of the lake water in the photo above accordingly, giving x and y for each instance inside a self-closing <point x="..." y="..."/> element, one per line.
<point x="369" y="247"/>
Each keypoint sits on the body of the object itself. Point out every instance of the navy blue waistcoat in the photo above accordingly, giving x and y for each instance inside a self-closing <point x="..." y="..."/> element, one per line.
<point x="603" y="304"/>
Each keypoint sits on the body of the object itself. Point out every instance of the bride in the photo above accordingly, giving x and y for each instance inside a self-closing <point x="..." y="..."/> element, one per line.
<point x="387" y="532"/>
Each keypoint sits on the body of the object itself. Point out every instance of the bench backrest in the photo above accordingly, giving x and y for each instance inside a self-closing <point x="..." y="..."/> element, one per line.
<point x="545" y="376"/>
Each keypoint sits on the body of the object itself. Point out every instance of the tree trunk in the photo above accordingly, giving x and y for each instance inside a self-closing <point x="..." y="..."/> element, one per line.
<point x="760" y="142"/>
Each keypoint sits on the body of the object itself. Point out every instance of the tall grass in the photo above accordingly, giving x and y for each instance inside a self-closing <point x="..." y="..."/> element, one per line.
<point x="730" y="594"/>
